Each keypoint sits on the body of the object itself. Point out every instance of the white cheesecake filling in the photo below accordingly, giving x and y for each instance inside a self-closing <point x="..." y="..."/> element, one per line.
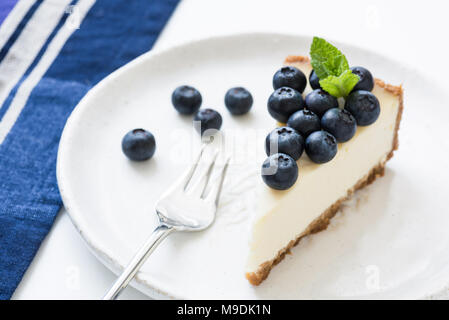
<point x="281" y="216"/>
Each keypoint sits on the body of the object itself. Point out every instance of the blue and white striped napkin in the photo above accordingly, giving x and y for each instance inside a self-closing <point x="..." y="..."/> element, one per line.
<point x="51" y="53"/>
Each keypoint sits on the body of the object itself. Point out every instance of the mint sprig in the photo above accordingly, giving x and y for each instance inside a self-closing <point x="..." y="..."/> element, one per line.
<point x="332" y="68"/>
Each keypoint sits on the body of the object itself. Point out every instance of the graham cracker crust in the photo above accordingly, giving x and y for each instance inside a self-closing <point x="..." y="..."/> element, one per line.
<point x="321" y="223"/>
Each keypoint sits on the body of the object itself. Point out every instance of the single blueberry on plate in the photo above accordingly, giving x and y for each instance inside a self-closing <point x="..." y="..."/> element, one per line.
<point x="138" y="145"/>
<point x="186" y="99"/>
<point x="280" y="171"/>
<point x="208" y="119"/>
<point x="314" y="80"/>
<point x="304" y="121"/>
<point x="283" y="102"/>
<point x="364" y="106"/>
<point x="290" y="77"/>
<point x="366" y="81"/>
<point x="340" y="123"/>
<point x="284" y="140"/>
<point x="321" y="146"/>
<point x="319" y="101"/>
<point x="238" y="100"/>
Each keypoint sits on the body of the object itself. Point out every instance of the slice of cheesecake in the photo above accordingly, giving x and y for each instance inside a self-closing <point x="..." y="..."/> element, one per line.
<point x="283" y="218"/>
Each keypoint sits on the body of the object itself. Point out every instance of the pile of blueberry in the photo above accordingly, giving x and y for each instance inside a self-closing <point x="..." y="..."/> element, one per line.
<point x="187" y="100"/>
<point x="140" y="145"/>
<point x="314" y="124"/>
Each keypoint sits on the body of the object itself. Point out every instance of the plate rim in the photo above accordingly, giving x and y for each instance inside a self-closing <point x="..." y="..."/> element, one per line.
<point x="112" y="264"/>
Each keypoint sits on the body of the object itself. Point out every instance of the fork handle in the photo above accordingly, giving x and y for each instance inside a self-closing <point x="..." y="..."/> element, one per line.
<point x="159" y="234"/>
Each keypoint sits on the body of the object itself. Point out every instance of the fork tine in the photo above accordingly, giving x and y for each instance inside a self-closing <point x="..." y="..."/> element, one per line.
<point x="216" y="190"/>
<point x="189" y="175"/>
<point x="203" y="180"/>
<point x="209" y="173"/>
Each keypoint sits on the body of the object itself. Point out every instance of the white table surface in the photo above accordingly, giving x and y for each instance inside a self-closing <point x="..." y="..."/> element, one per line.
<point x="410" y="31"/>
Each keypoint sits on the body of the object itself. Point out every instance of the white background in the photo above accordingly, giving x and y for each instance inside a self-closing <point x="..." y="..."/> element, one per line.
<point x="414" y="32"/>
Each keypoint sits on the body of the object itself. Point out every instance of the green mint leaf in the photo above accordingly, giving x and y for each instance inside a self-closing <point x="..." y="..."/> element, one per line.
<point x="327" y="60"/>
<point x="332" y="68"/>
<point x="340" y="86"/>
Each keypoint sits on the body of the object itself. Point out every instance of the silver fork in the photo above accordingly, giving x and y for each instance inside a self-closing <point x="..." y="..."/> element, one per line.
<point x="182" y="208"/>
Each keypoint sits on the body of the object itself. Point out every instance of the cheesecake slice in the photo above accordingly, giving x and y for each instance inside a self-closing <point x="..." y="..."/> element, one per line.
<point x="283" y="218"/>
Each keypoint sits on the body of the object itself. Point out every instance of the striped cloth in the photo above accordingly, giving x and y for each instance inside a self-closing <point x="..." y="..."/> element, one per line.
<point x="51" y="53"/>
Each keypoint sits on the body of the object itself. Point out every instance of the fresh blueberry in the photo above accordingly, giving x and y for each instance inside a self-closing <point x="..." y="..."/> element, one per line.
<point x="280" y="171"/>
<point x="366" y="81"/>
<point x="314" y="81"/>
<point x="290" y="77"/>
<point x="364" y="106"/>
<point x="138" y="145"/>
<point x="284" y="140"/>
<point x="319" y="101"/>
<point x="186" y="99"/>
<point x="321" y="146"/>
<point x="283" y="102"/>
<point x="304" y="121"/>
<point x="209" y="119"/>
<point x="340" y="123"/>
<point x="238" y="100"/>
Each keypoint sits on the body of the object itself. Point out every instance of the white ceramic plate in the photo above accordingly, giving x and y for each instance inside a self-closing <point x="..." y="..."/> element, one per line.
<point x="391" y="242"/>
